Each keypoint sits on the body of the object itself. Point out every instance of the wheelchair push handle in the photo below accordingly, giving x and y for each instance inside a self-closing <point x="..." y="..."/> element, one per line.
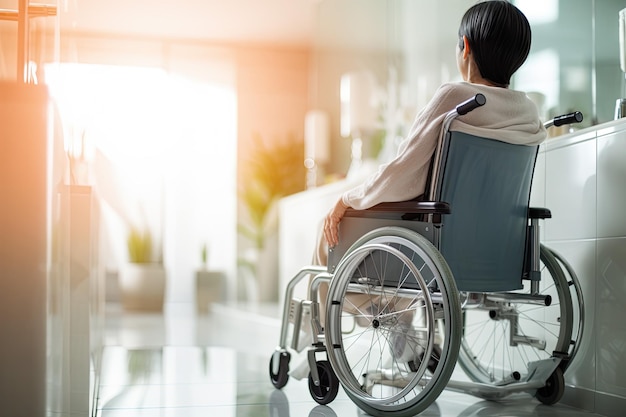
<point x="565" y="119"/>
<point x="469" y="105"/>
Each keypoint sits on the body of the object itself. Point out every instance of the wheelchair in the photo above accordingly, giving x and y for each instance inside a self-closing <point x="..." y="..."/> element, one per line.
<point x="416" y="288"/>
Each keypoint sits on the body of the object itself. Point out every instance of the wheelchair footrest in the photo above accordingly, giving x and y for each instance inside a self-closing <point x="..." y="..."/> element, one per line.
<point x="538" y="374"/>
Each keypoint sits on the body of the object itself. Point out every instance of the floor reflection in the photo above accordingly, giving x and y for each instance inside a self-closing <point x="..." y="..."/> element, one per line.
<point x="155" y="377"/>
<point x="188" y="381"/>
<point x="279" y="407"/>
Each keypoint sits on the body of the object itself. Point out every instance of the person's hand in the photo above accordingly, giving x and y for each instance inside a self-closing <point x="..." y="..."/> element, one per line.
<point x="331" y="223"/>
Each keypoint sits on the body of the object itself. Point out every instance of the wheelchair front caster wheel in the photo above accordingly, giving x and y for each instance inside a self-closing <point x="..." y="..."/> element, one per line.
<point x="279" y="368"/>
<point x="552" y="392"/>
<point x="328" y="388"/>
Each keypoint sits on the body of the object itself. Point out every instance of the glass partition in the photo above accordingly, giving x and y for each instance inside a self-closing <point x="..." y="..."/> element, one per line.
<point x="409" y="46"/>
<point x="574" y="60"/>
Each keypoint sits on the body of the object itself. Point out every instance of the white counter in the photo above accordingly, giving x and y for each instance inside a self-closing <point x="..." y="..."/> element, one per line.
<point x="581" y="178"/>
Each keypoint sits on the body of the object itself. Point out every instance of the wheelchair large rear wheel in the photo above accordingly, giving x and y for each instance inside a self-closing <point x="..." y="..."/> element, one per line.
<point x="578" y="305"/>
<point x="393" y="322"/>
<point x="501" y="338"/>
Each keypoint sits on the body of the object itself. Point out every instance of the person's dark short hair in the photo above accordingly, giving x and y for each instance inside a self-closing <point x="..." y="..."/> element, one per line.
<point x="499" y="36"/>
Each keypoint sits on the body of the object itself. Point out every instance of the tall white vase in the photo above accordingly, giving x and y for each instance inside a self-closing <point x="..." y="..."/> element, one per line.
<point x="142" y="286"/>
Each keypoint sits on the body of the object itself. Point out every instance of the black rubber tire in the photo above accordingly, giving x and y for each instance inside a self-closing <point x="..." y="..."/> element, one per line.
<point x="327" y="391"/>
<point x="554" y="389"/>
<point x="280" y="379"/>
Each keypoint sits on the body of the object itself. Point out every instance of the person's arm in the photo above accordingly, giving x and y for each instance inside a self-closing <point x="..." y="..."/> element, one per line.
<point x="404" y="177"/>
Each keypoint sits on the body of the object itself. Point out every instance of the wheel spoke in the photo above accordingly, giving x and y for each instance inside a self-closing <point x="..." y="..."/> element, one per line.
<point x="386" y="366"/>
<point x="516" y="334"/>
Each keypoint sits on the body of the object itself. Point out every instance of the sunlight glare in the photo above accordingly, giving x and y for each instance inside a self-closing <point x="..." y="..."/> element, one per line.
<point x="162" y="151"/>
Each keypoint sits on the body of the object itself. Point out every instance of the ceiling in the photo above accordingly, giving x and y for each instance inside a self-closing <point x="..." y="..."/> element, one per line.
<point x="263" y="21"/>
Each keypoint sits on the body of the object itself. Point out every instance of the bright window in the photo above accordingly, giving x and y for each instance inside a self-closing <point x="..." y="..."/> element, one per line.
<point x="161" y="152"/>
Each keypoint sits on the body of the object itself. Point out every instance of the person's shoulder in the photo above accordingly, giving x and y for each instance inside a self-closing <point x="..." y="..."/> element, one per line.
<point x="456" y="90"/>
<point x="463" y="90"/>
<point x="452" y="93"/>
<point x="458" y="86"/>
<point x="453" y="86"/>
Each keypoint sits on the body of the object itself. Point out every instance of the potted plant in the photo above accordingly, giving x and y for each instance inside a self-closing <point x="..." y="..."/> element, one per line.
<point x="142" y="279"/>
<point x="274" y="170"/>
<point x="209" y="284"/>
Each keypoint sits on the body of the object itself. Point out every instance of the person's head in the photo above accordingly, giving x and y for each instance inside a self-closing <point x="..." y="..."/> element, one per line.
<point x="498" y="36"/>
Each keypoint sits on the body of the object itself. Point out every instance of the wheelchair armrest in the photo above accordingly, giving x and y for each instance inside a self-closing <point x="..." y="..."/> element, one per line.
<point x="539" y="213"/>
<point x="403" y="209"/>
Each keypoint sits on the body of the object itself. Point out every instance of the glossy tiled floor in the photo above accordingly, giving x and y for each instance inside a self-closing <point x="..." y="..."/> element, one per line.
<point x="181" y="364"/>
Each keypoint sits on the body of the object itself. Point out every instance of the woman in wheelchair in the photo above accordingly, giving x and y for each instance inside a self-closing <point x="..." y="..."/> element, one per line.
<point x="383" y="303"/>
<point x="494" y="41"/>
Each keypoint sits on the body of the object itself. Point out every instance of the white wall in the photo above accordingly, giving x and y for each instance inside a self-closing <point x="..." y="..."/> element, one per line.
<point x="579" y="177"/>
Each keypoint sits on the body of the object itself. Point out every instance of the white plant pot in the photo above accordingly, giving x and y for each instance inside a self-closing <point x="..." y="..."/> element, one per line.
<point x="142" y="286"/>
<point x="210" y="286"/>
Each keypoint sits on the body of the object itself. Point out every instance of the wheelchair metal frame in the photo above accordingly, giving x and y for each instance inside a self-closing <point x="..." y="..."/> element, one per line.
<point x="420" y="384"/>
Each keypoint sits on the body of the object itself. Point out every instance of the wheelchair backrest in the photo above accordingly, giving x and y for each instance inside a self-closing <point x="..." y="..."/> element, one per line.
<point x="487" y="183"/>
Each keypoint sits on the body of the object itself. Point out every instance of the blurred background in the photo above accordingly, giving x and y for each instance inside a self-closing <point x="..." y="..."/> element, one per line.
<point x="178" y="133"/>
